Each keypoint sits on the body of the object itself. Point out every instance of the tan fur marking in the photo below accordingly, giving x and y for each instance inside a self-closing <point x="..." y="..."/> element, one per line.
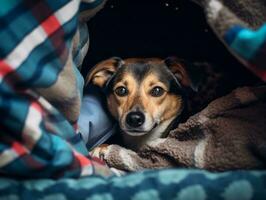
<point x="178" y="69"/>
<point x="126" y="102"/>
<point x="100" y="73"/>
<point x="172" y="105"/>
<point x="99" y="79"/>
<point x="166" y="106"/>
<point x="151" y="80"/>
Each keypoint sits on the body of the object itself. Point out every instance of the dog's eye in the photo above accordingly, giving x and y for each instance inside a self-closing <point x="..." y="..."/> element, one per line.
<point x="121" y="91"/>
<point x="157" y="91"/>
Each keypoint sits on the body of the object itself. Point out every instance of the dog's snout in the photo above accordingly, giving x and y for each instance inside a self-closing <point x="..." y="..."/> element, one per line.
<point x="135" y="119"/>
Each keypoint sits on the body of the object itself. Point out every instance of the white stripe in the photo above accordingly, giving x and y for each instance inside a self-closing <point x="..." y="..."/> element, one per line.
<point x="202" y="119"/>
<point x="88" y="1"/>
<point x="214" y="8"/>
<point x="32" y="131"/>
<point x="86" y="170"/>
<point x="38" y="36"/>
<point x="127" y="160"/>
<point x="31" y="134"/>
<point x="67" y="12"/>
<point x="199" y="153"/>
<point x="25" y="47"/>
<point x="156" y="142"/>
<point x="45" y="104"/>
<point x="7" y="156"/>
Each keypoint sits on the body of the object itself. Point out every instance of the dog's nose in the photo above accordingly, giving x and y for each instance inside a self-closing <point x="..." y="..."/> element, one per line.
<point x="135" y="119"/>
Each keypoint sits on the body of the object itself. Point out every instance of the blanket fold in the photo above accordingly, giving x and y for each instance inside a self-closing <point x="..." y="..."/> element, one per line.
<point x="240" y="25"/>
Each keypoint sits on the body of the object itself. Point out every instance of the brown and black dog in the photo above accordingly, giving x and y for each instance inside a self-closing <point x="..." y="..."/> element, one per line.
<point x="145" y="95"/>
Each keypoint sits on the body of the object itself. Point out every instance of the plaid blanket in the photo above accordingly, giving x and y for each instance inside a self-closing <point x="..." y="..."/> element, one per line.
<point x="41" y="88"/>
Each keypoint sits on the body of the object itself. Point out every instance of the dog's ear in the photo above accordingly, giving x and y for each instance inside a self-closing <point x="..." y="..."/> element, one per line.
<point x="103" y="71"/>
<point x="184" y="72"/>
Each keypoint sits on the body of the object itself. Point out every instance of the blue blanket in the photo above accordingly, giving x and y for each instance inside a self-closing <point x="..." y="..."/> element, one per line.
<point x="169" y="184"/>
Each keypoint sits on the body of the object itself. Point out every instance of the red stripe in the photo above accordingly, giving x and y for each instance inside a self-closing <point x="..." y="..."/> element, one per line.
<point x="50" y="25"/>
<point x="19" y="149"/>
<point x="32" y="163"/>
<point x="261" y="73"/>
<point x="36" y="106"/>
<point x="82" y="159"/>
<point x="4" y="68"/>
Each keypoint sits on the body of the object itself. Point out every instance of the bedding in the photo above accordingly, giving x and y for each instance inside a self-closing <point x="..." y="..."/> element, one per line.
<point x="179" y="184"/>
<point x="45" y="129"/>
<point x="228" y="134"/>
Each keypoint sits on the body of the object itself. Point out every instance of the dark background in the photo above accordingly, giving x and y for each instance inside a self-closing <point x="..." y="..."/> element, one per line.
<point x="159" y="28"/>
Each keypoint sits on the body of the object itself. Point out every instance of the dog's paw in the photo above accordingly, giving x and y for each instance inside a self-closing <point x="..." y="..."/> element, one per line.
<point x="100" y="151"/>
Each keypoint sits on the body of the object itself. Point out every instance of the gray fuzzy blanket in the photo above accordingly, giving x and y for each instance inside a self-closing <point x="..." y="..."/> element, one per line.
<point x="228" y="134"/>
<point x="223" y="14"/>
<point x="241" y="27"/>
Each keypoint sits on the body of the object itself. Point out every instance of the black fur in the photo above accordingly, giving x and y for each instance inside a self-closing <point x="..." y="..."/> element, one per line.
<point x="140" y="70"/>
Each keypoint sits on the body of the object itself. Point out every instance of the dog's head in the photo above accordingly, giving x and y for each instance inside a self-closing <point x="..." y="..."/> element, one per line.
<point x="144" y="95"/>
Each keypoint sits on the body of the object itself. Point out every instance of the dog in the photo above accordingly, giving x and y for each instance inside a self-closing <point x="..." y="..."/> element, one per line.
<point x="145" y="95"/>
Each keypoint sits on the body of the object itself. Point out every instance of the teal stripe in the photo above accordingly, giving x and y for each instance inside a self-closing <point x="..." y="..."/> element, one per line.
<point x="7" y="6"/>
<point x="87" y="6"/>
<point x="14" y="109"/>
<point x="247" y="42"/>
<point x="15" y="31"/>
